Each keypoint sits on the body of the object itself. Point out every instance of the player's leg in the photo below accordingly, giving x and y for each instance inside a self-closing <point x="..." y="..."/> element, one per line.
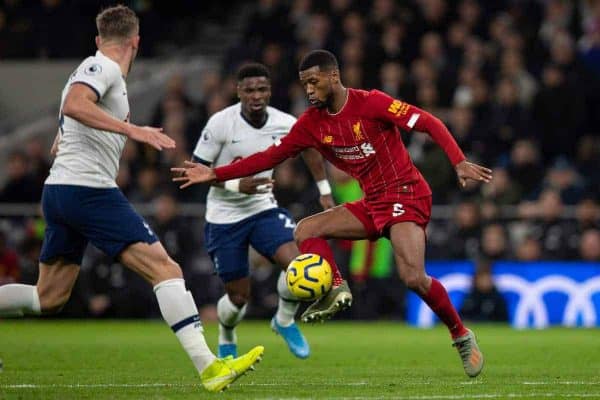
<point x="348" y="221"/>
<point x="179" y="310"/>
<point x="273" y="237"/>
<point x="288" y="304"/>
<point x="48" y="296"/>
<point x="231" y="309"/>
<point x="227" y="245"/>
<point x="151" y="261"/>
<point x="408" y="242"/>
<point x="60" y="258"/>
<point x="113" y="226"/>
<point x="283" y="322"/>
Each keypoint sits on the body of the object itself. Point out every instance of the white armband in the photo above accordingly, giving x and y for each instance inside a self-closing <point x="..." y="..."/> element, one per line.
<point x="324" y="187"/>
<point x="233" y="185"/>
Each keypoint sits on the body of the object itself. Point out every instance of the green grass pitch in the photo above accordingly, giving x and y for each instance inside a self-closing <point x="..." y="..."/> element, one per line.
<point x="51" y="359"/>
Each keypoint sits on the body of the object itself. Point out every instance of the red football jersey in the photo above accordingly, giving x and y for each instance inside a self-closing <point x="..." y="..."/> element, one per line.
<point x="362" y="139"/>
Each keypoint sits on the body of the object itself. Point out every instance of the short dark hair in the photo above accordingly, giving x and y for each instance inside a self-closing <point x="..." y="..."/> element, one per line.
<point x="252" y="70"/>
<point x="118" y="22"/>
<point x="323" y="59"/>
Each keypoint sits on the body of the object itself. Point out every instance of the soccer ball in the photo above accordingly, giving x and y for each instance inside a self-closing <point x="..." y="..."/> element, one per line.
<point x="309" y="277"/>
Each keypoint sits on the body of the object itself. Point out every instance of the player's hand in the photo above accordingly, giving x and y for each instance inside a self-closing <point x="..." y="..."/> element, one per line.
<point x="327" y="201"/>
<point x="467" y="170"/>
<point x="250" y="185"/>
<point x="152" y="136"/>
<point x="192" y="173"/>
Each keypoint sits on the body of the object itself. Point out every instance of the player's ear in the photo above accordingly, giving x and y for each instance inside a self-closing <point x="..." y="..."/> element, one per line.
<point x="98" y="41"/>
<point x="135" y="42"/>
<point x="335" y="75"/>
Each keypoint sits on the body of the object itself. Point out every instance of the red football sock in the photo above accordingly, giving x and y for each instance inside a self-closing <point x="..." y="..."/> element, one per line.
<point x="437" y="299"/>
<point x="319" y="246"/>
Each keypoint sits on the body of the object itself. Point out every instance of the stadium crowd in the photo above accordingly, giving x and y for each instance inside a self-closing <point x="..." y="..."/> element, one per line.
<point x="516" y="81"/>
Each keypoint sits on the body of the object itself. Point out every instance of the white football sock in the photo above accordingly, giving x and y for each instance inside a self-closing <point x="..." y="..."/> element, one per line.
<point x="288" y="303"/>
<point x="229" y="316"/>
<point x="17" y="300"/>
<point x="179" y="310"/>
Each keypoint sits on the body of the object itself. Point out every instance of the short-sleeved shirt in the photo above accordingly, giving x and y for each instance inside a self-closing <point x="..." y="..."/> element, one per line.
<point x="87" y="156"/>
<point x="228" y="137"/>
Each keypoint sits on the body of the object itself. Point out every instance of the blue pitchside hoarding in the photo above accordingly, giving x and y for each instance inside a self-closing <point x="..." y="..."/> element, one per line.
<point x="538" y="294"/>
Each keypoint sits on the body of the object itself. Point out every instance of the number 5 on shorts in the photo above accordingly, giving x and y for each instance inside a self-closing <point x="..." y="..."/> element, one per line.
<point x="398" y="210"/>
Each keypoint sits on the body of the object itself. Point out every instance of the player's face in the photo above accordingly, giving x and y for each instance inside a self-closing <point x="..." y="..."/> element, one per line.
<point x="318" y="85"/>
<point x="254" y="93"/>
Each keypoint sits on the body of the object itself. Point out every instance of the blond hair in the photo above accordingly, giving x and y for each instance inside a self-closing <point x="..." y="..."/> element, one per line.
<point x="117" y="23"/>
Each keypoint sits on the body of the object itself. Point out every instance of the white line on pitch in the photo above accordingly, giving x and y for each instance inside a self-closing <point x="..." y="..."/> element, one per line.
<point x="145" y="385"/>
<point x="562" y="383"/>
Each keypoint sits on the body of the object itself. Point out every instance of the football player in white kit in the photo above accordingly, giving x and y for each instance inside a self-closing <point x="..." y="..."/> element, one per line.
<point x="82" y="203"/>
<point x="243" y="212"/>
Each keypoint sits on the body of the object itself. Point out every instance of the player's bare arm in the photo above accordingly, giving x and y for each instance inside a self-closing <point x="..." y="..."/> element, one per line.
<point x="80" y="104"/>
<point x="54" y="148"/>
<point x="314" y="162"/>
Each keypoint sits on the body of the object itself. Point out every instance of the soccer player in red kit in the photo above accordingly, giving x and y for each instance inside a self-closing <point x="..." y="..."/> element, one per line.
<point x="359" y="132"/>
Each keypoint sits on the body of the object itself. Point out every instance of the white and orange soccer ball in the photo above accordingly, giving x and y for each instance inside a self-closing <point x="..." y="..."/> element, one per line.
<point x="309" y="277"/>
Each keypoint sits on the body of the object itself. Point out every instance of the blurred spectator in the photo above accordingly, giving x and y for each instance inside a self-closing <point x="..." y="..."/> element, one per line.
<point x="589" y="249"/>
<point x="147" y="184"/>
<point x="589" y="44"/>
<point x="513" y="68"/>
<point x="267" y="22"/>
<point x="501" y="190"/>
<point x="525" y="167"/>
<point x="29" y="253"/>
<point x="37" y="158"/>
<point x="9" y="263"/>
<point x="509" y="120"/>
<point x="393" y="80"/>
<point x="292" y="190"/>
<point x="20" y="186"/>
<point x="173" y="230"/>
<point x="277" y="61"/>
<point x="587" y="161"/>
<point x="389" y="47"/>
<point x="433" y="164"/>
<point x="529" y="249"/>
<point x="559" y="113"/>
<point x="564" y="178"/>
<point x="465" y="232"/>
<point x="494" y="243"/>
<point x="552" y="231"/>
<point x="557" y="19"/>
<point x="484" y="302"/>
<point x="587" y="214"/>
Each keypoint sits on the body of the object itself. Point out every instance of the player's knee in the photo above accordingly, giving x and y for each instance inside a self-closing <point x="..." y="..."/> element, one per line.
<point x="239" y="298"/>
<point x="305" y="230"/>
<point x="415" y="281"/>
<point x="52" y="299"/>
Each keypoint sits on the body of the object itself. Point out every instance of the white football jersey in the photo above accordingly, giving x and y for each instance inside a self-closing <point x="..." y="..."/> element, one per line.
<point x="87" y="156"/>
<point x="228" y="137"/>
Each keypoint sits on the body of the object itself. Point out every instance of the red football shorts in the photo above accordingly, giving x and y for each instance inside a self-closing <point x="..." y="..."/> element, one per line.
<point x="378" y="215"/>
